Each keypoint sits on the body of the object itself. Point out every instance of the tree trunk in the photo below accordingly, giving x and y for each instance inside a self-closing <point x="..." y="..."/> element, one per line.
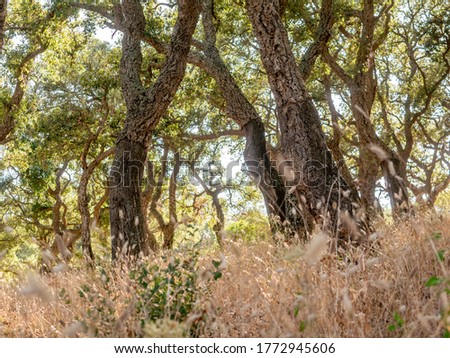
<point x="127" y="219"/>
<point x="220" y="222"/>
<point x="145" y="107"/>
<point x="169" y="232"/>
<point x="278" y="201"/>
<point x="3" y="7"/>
<point x="83" y="207"/>
<point x="308" y="165"/>
<point x="214" y="194"/>
<point x="375" y="154"/>
<point x="83" y="197"/>
<point x="395" y="184"/>
<point x="368" y="162"/>
<point x="59" y="245"/>
<point x="147" y="195"/>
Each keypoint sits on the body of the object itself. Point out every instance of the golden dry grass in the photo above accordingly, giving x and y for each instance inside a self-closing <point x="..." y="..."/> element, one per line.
<point x="266" y="291"/>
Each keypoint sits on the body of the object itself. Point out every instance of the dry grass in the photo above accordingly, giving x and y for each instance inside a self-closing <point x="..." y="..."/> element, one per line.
<point x="266" y="292"/>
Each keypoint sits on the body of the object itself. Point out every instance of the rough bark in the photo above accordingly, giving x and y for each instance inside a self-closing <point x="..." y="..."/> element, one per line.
<point x="145" y="107"/>
<point x="256" y="154"/>
<point x="3" y="8"/>
<point x="127" y="220"/>
<point x="309" y="166"/>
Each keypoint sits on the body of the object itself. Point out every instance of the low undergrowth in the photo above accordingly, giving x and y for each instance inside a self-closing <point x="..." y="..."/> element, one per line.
<point x="398" y="288"/>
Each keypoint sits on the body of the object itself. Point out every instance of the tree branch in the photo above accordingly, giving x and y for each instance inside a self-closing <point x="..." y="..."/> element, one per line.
<point x="11" y="106"/>
<point x="322" y="35"/>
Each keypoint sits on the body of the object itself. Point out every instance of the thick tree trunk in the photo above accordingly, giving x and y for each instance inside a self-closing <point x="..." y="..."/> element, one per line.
<point x="280" y="203"/>
<point x="145" y="107"/>
<point x="308" y="164"/>
<point x="127" y="219"/>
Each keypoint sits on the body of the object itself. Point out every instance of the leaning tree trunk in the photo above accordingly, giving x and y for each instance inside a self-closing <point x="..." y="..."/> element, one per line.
<point x="258" y="162"/>
<point x="309" y="169"/>
<point x="278" y="201"/>
<point x="145" y="107"/>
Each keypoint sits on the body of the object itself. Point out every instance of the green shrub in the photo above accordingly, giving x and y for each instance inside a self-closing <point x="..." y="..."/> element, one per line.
<point x="128" y="302"/>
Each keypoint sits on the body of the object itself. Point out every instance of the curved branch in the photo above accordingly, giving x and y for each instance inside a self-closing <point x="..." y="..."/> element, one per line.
<point x="323" y="34"/>
<point x="8" y="123"/>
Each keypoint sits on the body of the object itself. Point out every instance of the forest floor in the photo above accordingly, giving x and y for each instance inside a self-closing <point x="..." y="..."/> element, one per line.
<point x="399" y="288"/>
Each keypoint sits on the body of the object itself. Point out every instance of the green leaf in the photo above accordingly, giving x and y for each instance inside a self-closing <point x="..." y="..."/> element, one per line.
<point x="217" y="275"/>
<point x="392" y="328"/>
<point x="436" y="236"/>
<point x="216" y="263"/>
<point x="433" y="281"/>
<point x="398" y="319"/>
<point x="446" y="334"/>
<point x="441" y="255"/>
<point x="302" y="326"/>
